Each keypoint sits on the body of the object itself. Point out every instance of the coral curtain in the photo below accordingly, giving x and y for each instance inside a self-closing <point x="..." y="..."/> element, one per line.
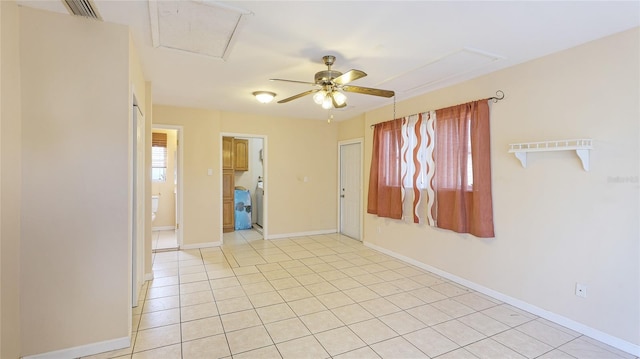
<point x="463" y="169"/>
<point x="385" y="192"/>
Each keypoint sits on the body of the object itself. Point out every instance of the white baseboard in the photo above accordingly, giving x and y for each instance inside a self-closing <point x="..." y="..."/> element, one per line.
<point x="556" y="318"/>
<point x="301" y="234"/>
<point x="85" y="350"/>
<point x="201" y="245"/>
<point x="163" y="228"/>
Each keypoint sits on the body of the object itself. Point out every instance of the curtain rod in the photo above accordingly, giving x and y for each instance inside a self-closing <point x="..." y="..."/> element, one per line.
<point x="499" y="96"/>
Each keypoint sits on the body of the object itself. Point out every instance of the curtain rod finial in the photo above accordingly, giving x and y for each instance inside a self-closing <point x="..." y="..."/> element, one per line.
<point x="499" y="96"/>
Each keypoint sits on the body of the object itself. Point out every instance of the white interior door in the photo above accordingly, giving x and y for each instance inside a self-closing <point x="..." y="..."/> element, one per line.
<point x="350" y="189"/>
<point x="137" y="205"/>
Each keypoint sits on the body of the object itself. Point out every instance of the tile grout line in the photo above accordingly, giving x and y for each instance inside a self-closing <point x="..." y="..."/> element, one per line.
<point x="216" y="303"/>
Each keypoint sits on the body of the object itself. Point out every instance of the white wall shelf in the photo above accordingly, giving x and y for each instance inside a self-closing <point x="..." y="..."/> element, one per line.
<point x="581" y="146"/>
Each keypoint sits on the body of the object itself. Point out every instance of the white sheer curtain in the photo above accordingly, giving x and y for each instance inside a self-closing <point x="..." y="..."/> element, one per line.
<point x="418" y="168"/>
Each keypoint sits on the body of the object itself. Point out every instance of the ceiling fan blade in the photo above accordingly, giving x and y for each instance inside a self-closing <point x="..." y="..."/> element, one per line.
<point x="298" y="96"/>
<point x="335" y="103"/>
<point x="349" y="76"/>
<point x="294" y="81"/>
<point x="369" y="91"/>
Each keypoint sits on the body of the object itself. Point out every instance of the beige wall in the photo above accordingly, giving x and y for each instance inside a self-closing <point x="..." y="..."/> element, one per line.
<point x="10" y="186"/>
<point x="555" y="223"/>
<point x="294" y="149"/>
<point x="141" y="89"/>
<point x="351" y="129"/>
<point x="201" y="192"/>
<point x="76" y="261"/>
<point x="166" y="216"/>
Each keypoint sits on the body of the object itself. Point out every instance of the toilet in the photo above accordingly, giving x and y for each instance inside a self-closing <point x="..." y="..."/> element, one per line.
<point x="154" y="206"/>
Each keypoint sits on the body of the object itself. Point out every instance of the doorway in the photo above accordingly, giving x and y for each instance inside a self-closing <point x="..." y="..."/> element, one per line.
<point x="350" y="189"/>
<point x="166" y="187"/>
<point x="243" y="172"/>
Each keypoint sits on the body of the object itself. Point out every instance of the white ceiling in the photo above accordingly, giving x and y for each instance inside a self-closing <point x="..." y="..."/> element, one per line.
<point x="410" y="47"/>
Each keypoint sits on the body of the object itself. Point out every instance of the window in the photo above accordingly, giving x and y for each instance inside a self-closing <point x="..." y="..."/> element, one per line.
<point x="445" y="169"/>
<point x="455" y="167"/>
<point x="158" y="157"/>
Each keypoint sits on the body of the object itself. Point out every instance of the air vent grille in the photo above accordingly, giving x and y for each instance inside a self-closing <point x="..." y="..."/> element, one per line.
<point x="83" y="8"/>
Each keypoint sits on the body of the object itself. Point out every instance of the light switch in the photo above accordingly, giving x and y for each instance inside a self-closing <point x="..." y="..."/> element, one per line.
<point x="210" y="171"/>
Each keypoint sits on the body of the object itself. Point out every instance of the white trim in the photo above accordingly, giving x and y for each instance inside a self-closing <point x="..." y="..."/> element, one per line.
<point x="301" y="234"/>
<point x="201" y="245"/>
<point x="85" y="350"/>
<point x="556" y="318"/>
<point x="163" y="228"/>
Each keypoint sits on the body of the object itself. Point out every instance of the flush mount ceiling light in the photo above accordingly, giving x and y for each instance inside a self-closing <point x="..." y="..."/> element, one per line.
<point x="264" y="96"/>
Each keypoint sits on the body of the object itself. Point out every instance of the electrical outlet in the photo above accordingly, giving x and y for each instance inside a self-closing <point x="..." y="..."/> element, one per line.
<point x="581" y="290"/>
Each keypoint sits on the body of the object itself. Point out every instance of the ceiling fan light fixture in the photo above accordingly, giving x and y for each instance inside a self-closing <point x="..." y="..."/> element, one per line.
<point x="319" y="97"/>
<point x="330" y="84"/>
<point x="327" y="103"/>
<point x="264" y="96"/>
<point x="339" y="97"/>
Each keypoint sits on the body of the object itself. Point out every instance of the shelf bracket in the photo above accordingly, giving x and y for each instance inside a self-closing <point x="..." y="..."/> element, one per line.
<point x="581" y="146"/>
<point x="522" y="156"/>
<point x="584" y="158"/>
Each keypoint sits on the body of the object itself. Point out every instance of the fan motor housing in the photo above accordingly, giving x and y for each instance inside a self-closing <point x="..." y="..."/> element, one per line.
<point x="324" y="77"/>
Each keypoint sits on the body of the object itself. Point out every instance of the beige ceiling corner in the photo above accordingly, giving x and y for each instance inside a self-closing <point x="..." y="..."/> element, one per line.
<point x="198" y="26"/>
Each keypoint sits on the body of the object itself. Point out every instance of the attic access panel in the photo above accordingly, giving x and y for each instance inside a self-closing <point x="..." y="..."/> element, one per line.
<point x="458" y="63"/>
<point x="201" y="27"/>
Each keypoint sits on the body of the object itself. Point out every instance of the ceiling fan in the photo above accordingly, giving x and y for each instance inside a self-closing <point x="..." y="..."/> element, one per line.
<point x="330" y="83"/>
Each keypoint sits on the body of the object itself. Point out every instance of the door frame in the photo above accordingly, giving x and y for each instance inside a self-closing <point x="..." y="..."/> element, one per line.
<point x="265" y="176"/>
<point x="179" y="184"/>
<point x="137" y="185"/>
<point x="359" y="141"/>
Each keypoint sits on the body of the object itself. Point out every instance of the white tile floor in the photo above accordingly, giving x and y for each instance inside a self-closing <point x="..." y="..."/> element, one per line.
<point x="164" y="240"/>
<point x="328" y="297"/>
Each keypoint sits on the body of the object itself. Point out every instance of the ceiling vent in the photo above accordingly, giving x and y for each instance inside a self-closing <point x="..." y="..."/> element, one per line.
<point x="84" y="8"/>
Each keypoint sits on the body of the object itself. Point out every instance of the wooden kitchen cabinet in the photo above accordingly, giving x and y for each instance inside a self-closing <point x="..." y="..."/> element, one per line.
<point x="228" y="190"/>
<point x="241" y="154"/>
<point x="235" y="157"/>
<point x="227" y="153"/>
